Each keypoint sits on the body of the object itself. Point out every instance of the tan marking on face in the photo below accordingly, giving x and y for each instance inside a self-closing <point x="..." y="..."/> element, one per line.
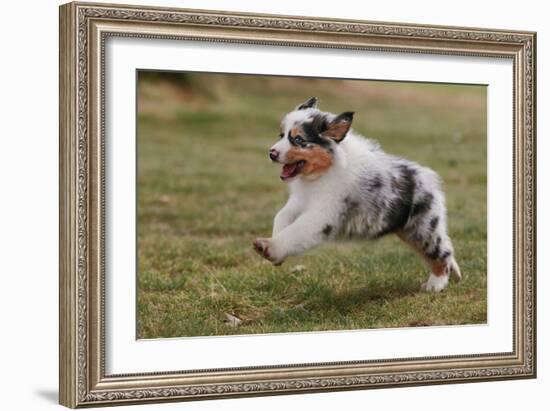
<point x="318" y="160"/>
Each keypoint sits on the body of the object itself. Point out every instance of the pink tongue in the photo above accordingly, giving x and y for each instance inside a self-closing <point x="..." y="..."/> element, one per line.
<point x="288" y="170"/>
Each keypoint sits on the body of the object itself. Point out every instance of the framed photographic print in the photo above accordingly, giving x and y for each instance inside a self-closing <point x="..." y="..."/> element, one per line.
<point x="259" y="204"/>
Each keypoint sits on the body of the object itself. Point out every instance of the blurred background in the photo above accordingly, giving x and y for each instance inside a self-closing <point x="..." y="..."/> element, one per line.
<point x="206" y="189"/>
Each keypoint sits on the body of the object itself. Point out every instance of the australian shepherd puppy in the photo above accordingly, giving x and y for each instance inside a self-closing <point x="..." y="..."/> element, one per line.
<point x="344" y="185"/>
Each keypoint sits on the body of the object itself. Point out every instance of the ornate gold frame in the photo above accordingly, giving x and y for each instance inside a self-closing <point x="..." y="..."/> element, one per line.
<point x="83" y="30"/>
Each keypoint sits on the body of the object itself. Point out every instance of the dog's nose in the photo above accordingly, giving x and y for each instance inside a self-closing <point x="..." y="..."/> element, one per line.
<point x="273" y="154"/>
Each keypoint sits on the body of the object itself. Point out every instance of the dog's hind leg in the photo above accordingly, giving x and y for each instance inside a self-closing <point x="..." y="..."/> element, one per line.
<point x="437" y="250"/>
<point x="426" y="230"/>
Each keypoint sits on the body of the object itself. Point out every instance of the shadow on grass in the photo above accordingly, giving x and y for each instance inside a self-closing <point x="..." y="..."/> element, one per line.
<point x="375" y="293"/>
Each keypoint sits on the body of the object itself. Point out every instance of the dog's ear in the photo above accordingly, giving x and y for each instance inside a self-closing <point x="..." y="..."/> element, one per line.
<point x="311" y="103"/>
<point x="339" y="126"/>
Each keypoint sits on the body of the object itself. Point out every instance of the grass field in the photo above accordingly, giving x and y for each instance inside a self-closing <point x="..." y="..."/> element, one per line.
<point x="206" y="189"/>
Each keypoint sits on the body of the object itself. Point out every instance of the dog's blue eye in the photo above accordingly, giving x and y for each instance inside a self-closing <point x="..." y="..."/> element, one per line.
<point x="299" y="140"/>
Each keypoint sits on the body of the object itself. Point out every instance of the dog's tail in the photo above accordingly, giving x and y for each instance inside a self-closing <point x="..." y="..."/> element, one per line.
<point x="453" y="265"/>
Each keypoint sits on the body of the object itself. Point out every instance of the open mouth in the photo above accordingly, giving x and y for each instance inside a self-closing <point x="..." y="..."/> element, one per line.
<point x="292" y="170"/>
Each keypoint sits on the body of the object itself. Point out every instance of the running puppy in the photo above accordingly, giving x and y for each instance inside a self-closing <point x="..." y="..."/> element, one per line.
<point x="343" y="185"/>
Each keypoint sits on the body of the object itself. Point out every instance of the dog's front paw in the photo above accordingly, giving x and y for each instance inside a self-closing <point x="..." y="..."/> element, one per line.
<point x="264" y="247"/>
<point x="261" y="246"/>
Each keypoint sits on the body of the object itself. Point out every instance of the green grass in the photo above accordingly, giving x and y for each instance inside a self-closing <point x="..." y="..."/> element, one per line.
<point x="206" y="190"/>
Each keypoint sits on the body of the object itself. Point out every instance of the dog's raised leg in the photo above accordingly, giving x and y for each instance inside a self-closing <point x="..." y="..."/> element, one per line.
<point x="285" y="216"/>
<point x="309" y="230"/>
